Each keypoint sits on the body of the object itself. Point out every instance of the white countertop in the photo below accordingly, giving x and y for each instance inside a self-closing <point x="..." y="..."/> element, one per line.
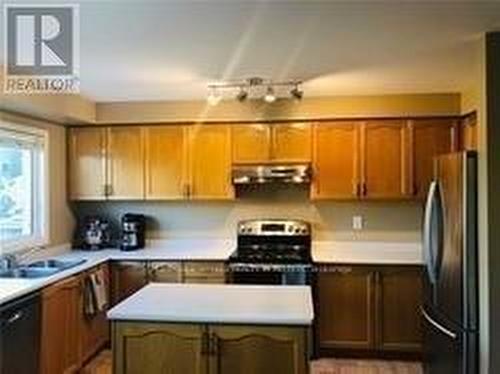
<point x="375" y="253"/>
<point x="172" y="250"/>
<point x="205" y="303"/>
<point x="323" y="252"/>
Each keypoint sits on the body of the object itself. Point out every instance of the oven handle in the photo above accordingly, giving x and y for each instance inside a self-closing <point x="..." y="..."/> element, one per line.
<point x="239" y="265"/>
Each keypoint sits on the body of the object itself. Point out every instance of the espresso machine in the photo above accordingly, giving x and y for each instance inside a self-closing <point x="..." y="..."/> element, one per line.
<point x="133" y="230"/>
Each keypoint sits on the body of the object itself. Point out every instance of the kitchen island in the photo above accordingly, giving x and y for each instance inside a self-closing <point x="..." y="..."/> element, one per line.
<point x="195" y="328"/>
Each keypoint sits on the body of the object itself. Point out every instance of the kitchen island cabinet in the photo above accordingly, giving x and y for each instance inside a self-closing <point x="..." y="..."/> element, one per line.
<point x="213" y="329"/>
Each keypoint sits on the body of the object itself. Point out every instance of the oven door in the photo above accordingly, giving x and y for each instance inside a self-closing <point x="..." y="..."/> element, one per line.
<point x="272" y="274"/>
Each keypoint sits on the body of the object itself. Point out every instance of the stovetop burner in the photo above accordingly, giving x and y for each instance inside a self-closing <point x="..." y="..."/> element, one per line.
<point x="273" y="242"/>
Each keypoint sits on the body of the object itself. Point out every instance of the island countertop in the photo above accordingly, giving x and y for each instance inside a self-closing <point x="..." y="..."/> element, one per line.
<point x="224" y="304"/>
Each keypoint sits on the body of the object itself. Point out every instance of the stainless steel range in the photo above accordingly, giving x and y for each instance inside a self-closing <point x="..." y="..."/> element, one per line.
<point x="272" y="251"/>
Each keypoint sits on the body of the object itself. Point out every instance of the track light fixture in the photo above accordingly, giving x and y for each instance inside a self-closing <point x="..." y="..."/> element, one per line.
<point x="214" y="97"/>
<point x="255" y="87"/>
<point x="296" y="93"/>
<point x="242" y="95"/>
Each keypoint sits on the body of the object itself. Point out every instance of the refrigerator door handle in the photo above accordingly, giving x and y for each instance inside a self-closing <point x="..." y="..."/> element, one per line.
<point x="441" y="328"/>
<point x="427" y="239"/>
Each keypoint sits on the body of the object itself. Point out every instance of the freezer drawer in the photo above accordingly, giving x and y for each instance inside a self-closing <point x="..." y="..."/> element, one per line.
<point x="448" y="351"/>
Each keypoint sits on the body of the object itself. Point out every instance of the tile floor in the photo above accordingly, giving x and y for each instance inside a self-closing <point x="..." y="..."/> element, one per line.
<point x="102" y="365"/>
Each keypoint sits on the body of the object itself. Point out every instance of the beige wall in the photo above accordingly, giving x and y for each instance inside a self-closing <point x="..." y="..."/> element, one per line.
<point x="330" y="220"/>
<point x="309" y="108"/>
<point x="61" y="219"/>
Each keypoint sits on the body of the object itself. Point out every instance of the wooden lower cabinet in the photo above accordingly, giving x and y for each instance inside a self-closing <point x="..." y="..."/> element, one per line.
<point x="163" y="348"/>
<point x="346" y="304"/>
<point x="165" y="272"/>
<point x="212" y="272"/>
<point x="60" y="343"/>
<point x="68" y="337"/>
<point x="257" y="349"/>
<point x="127" y="277"/>
<point x="94" y="332"/>
<point x="398" y="294"/>
<point x="369" y="310"/>
<point x="158" y="348"/>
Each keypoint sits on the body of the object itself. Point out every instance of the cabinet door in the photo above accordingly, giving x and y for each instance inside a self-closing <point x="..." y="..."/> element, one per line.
<point x="291" y="142"/>
<point x="125" y="163"/>
<point x="430" y="139"/>
<point x="158" y="348"/>
<point x="251" y="143"/>
<point x="94" y="331"/>
<point x="165" y="272"/>
<point x="210" y="153"/>
<point x="346" y="308"/>
<point x="335" y="161"/>
<point x="255" y="350"/>
<point x="166" y="162"/>
<point x="384" y="147"/>
<point x="399" y="295"/>
<point x="127" y="278"/>
<point x="87" y="165"/>
<point x="61" y="311"/>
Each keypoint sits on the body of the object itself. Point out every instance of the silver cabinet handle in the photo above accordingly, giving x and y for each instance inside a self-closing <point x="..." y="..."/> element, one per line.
<point x="16" y="316"/>
<point x="443" y="329"/>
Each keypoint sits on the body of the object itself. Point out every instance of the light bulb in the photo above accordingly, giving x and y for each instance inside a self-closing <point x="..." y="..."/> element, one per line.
<point x="269" y="96"/>
<point x="213" y="98"/>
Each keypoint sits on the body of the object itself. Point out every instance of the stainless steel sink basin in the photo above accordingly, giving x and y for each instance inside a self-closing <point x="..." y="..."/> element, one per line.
<point x="56" y="264"/>
<point x="28" y="272"/>
<point x="40" y="269"/>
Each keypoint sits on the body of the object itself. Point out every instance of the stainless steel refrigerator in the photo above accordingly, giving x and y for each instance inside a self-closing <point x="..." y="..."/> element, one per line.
<point x="450" y="305"/>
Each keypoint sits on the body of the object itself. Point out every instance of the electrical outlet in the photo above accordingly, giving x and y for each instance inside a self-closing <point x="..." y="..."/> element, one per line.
<point x="357" y="222"/>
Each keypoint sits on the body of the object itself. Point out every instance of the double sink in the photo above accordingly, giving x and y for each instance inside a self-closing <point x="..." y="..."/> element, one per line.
<point x="39" y="269"/>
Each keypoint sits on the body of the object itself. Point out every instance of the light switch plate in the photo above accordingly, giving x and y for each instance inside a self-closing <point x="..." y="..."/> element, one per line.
<point x="357" y="222"/>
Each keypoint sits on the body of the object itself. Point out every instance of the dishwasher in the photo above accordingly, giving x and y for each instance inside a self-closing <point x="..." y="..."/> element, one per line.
<point x="20" y="335"/>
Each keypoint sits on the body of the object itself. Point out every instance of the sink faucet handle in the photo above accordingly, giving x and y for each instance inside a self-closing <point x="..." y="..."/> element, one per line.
<point x="8" y="261"/>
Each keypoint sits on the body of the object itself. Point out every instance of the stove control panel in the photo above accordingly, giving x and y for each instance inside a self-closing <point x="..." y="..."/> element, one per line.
<point x="274" y="228"/>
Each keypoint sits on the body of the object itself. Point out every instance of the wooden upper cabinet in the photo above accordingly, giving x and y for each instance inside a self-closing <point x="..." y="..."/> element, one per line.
<point x="125" y="163"/>
<point x="251" y="143"/>
<point x="430" y="138"/>
<point x="291" y="142"/>
<point x="87" y="163"/>
<point x="166" y="162"/>
<point x="384" y="159"/>
<point x="335" y="160"/>
<point x="261" y="143"/>
<point x="210" y="160"/>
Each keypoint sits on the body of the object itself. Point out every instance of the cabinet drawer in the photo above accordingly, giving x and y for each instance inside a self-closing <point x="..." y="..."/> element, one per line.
<point x="165" y="272"/>
<point x="206" y="269"/>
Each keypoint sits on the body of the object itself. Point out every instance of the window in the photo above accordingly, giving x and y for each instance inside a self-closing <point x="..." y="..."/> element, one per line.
<point x="22" y="187"/>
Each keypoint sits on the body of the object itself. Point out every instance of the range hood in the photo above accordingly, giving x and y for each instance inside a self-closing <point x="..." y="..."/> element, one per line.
<point x="271" y="173"/>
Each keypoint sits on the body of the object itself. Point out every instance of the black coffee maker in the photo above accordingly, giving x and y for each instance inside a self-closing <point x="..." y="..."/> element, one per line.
<point x="133" y="232"/>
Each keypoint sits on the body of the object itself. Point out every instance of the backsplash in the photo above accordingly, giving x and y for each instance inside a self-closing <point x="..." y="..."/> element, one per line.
<point x="383" y="221"/>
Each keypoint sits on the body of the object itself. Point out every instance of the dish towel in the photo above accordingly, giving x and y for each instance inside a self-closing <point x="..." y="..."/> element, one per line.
<point x="95" y="296"/>
<point x="99" y="286"/>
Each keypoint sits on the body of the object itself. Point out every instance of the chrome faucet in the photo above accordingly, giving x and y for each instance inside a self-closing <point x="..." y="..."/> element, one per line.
<point x="8" y="262"/>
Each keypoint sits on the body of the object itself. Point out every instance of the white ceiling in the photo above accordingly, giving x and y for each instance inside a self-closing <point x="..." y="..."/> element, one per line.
<point x="169" y="50"/>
